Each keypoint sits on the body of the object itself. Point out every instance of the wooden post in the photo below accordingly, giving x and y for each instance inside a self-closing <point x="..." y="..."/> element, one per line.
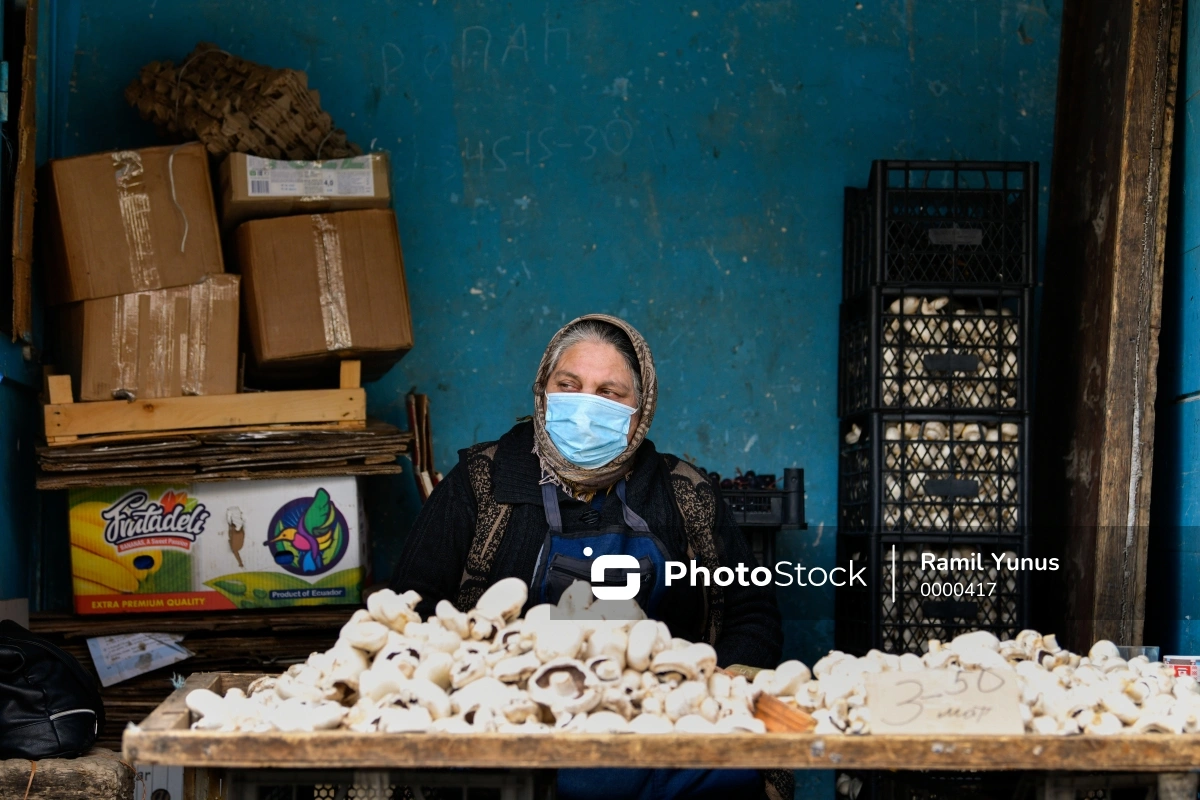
<point x="1101" y="310"/>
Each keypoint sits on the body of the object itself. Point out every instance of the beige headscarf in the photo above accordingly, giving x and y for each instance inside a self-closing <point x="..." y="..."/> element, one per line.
<point x="578" y="481"/>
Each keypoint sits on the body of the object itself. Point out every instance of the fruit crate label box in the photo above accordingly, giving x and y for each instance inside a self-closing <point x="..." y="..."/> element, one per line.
<point x="216" y="546"/>
<point x="343" y="177"/>
<point x="1183" y="665"/>
<point x="119" y="658"/>
<point x="946" y="701"/>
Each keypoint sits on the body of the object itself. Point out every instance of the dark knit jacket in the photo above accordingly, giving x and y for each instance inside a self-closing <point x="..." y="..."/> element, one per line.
<point x="436" y="548"/>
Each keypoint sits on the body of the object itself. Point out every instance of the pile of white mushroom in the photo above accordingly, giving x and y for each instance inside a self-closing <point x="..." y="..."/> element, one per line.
<point x="917" y="327"/>
<point x="918" y="452"/>
<point x="583" y="665"/>
<point x="602" y="667"/>
<point x="1062" y="693"/>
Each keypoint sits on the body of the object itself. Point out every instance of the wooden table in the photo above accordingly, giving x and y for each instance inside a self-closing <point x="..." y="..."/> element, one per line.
<point x="165" y="738"/>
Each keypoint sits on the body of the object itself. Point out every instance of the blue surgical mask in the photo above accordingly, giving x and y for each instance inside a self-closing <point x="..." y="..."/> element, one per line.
<point x="588" y="430"/>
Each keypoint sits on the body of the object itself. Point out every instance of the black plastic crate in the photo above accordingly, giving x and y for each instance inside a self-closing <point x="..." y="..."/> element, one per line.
<point x="941" y="223"/>
<point x="931" y="473"/>
<point x="879" y="785"/>
<point x="781" y="507"/>
<point x="908" y="600"/>
<point x="952" y="350"/>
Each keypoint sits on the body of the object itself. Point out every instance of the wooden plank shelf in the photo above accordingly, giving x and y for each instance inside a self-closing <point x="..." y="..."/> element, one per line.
<point x="165" y="738"/>
<point x="68" y="422"/>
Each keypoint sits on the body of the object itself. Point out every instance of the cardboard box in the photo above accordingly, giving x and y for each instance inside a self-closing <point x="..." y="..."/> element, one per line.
<point x="164" y="343"/>
<point x="129" y="221"/>
<point x="261" y="188"/>
<point x="324" y="287"/>
<point x="216" y="546"/>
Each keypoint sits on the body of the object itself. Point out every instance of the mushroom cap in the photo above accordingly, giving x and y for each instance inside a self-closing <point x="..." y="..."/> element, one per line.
<point x="651" y="723"/>
<point x="1102" y="650"/>
<point x="364" y="633"/>
<point x="694" y="723"/>
<point x="605" y="722"/>
<point x="740" y="723"/>
<point x="503" y="600"/>
<point x="640" y="645"/>
<point x="557" y="638"/>
<point x="435" y="667"/>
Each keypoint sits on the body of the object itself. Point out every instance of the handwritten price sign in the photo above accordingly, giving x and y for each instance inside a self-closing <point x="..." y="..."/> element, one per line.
<point x="944" y="701"/>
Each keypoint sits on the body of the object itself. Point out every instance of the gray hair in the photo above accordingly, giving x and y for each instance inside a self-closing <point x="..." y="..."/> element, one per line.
<point x="597" y="332"/>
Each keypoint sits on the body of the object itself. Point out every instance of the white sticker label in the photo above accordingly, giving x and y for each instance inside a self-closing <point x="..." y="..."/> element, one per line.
<point x="341" y="177"/>
<point x="119" y="658"/>
<point x="944" y="701"/>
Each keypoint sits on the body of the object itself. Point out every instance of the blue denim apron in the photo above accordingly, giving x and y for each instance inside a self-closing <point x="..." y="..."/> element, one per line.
<point x="562" y="562"/>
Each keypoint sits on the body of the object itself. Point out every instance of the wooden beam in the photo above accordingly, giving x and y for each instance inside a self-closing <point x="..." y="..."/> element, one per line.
<point x="348" y="750"/>
<point x="214" y="411"/>
<point x="1101" y="313"/>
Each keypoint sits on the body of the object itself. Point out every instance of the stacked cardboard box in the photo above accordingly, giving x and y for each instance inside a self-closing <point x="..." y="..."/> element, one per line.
<point x="320" y="258"/>
<point x="135" y="274"/>
<point x="142" y="308"/>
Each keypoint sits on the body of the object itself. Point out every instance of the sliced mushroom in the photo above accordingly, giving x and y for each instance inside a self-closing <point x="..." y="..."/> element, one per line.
<point x="405" y="720"/>
<point x="690" y="663"/>
<point x="516" y="669"/>
<point x="563" y="686"/>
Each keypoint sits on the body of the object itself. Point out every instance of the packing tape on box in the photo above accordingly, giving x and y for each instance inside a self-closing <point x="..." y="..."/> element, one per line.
<point x="126" y="314"/>
<point x="163" y="334"/>
<point x="204" y="297"/>
<point x="135" y="217"/>
<point x="331" y="284"/>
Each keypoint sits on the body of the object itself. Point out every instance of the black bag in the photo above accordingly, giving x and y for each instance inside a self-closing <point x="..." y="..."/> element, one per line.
<point x="50" y="706"/>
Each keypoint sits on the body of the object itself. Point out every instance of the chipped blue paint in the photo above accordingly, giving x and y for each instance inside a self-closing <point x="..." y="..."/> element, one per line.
<point x="680" y="165"/>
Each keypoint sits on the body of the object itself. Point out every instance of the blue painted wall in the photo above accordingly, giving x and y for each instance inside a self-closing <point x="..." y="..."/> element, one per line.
<point x="680" y="165"/>
<point x="1173" y="597"/>
<point x="18" y="512"/>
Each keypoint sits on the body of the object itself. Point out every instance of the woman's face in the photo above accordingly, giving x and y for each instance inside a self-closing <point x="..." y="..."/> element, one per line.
<point x="598" y="369"/>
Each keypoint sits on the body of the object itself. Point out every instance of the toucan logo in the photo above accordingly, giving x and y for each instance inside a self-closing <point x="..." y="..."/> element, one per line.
<point x="633" y="577"/>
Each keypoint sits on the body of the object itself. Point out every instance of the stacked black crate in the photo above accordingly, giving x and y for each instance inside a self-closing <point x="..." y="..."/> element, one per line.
<point x="933" y="393"/>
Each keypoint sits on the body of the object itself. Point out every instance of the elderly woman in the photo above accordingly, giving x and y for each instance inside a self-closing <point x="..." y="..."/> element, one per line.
<point x="581" y="480"/>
